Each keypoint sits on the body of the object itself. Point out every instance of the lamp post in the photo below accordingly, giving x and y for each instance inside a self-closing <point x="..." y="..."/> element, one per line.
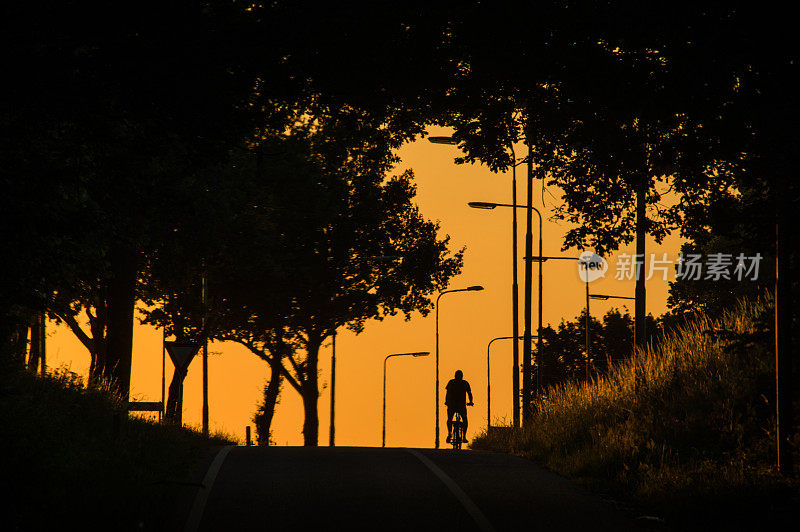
<point x="586" y="279"/>
<point x="332" y="431"/>
<point x="526" y="343"/>
<point x="514" y="286"/>
<point x="163" y="373"/>
<point x="489" y="380"/>
<point x="604" y="297"/>
<point x="526" y="366"/>
<point x="514" y="289"/>
<point x="600" y="297"/>
<point x="385" y="360"/>
<point x="332" y="428"/>
<point x="205" y="354"/>
<point x="540" y="259"/>
<point x="468" y="289"/>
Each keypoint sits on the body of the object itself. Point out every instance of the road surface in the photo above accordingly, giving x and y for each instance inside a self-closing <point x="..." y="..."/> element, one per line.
<point x="350" y="488"/>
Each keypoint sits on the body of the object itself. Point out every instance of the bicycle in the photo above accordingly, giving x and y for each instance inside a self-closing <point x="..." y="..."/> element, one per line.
<point x="458" y="434"/>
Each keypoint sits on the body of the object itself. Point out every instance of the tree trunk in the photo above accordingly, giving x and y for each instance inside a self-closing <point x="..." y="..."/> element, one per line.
<point x="94" y="341"/>
<point x="93" y="378"/>
<point x="19" y="341"/>
<point x="34" y="354"/>
<point x="98" y="326"/>
<point x="121" y="301"/>
<point x="263" y="418"/>
<point x="311" y="420"/>
<point x="13" y="340"/>
<point x="174" y="407"/>
<point x="311" y="395"/>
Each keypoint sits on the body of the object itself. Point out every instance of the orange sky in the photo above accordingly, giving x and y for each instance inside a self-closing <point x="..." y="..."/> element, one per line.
<point x="468" y="321"/>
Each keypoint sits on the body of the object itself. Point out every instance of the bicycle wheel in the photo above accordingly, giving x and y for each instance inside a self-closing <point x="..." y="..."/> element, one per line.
<point x="457" y="432"/>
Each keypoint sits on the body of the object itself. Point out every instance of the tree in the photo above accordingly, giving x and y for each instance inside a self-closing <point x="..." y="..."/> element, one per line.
<point x="89" y="299"/>
<point x="266" y="410"/>
<point x="141" y="105"/>
<point x="611" y="342"/>
<point x="618" y="104"/>
<point x="350" y="283"/>
<point x="352" y="247"/>
<point x="320" y="239"/>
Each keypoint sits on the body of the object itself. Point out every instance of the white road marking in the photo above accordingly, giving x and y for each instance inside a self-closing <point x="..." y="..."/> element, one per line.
<point x="196" y="514"/>
<point x="454" y="488"/>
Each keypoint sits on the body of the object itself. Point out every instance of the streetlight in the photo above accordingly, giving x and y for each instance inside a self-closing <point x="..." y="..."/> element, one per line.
<point x="540" y="259"/>
<point x="526" y="363"/>
<point x="604" y="297"/>
<point x="526" y="343"/>
<point x="599" y="297"/>
<point x="588" y="320"/>
<point x="205" y="351"/>
<point x="489" y="380"/>
<point x="514" y="286"/>
<point x="443" y="140"/>
<point x="514" y="293"/>
<point x="587" y="264"/>
<point x="332" y="427"/>
<point x="385" y="360"/>
<point x="468" y="289"/>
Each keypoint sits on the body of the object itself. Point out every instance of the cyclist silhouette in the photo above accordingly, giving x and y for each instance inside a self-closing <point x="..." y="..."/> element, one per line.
<point x="456" y="401"/>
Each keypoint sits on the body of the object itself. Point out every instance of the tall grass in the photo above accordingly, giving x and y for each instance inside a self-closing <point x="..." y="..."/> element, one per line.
<point x="69" y="465"/>
<point x="686" y="420"/>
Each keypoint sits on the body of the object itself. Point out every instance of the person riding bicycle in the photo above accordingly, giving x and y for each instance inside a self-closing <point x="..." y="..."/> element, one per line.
<point x="456" y="401"/>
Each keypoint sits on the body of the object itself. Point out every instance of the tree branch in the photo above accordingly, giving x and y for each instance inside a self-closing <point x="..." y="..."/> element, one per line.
<point x="270" y="358"/>
<point x="297" y="385"/>
<point x="297" y="368"/>
<point x="73" y="324"/>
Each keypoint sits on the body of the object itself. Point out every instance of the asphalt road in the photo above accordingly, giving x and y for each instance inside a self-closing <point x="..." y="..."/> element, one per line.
<point x="349" y="488"/>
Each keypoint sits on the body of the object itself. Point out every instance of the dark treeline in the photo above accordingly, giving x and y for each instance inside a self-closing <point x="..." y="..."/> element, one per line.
<point x="610" y="342"/>
<point x="148" y="154"/>
<point x="252" y="145"/>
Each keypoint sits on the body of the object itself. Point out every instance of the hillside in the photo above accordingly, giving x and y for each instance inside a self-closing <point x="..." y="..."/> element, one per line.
<point x="684" y="430"/>
<point x="70" y="465"/>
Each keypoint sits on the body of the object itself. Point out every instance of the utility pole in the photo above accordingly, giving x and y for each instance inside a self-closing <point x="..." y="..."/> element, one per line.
<point x="385" y="360"/>
<point x="473" y="288"/>
<point x="514" y="295"/>
<point x="205" y="355"/>
<point x="526" y="341"/>
<point x="783" y="332"/>
<point x="332" y="435"/>
<point x="539" y="336"/>
<point x="163" y="374"/>
<point x="639" y="332"/>
<point x="588" y="322"/>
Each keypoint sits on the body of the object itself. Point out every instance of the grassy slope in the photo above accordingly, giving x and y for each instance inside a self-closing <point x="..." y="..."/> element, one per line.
<point x="691" y="439"/>
<point x="67" y="466"/>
